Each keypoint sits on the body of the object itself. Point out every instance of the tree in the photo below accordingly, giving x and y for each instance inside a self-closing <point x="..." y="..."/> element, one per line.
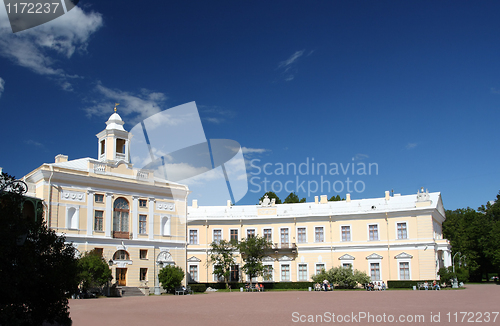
<point x="343" y="277"/>
<point x="271" y="195"/>
<point x="171" y="277"/>
<point x="94" y="271"/>
<point x="221" y="256"/>
<point x="293" y="198"/>
<point x="38" y="270"/>
<point x="252" y="250"/>
<point x="336" y="198"/>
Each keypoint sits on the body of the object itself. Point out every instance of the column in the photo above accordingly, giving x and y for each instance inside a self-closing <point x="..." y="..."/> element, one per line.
<point x="108" y="226"/>
<point x="135" y="217"/>
<point x="90" y="211"/>
<point x="151" y="218"/>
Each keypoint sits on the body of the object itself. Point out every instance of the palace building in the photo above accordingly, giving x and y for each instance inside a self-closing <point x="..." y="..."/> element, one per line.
<point x="390" y="238"/>
<point x="140" y="222"/>
<point x="135" y="219"/>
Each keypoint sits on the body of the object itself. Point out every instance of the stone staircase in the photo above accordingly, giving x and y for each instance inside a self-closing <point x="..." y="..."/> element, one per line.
<point x="129" y="291"/>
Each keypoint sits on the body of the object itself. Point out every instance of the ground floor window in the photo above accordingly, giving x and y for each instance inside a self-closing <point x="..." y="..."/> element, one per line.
<point x="404" y="271"/>
<point x="285" y="273"/>
<point x="268" y="273"/>
<point x="193" y="272"/>
<point x="235" y="273"/>
<point x="143" y="274"/>
<point x="375" y="271"/>
<point x="319" y="268"/>
<point x="303" y="272"/>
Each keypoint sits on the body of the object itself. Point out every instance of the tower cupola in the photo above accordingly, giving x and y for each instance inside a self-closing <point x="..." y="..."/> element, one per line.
<point x="113" y="142"/>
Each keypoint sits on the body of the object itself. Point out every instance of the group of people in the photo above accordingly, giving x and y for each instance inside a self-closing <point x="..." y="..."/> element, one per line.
<point x="435" y="285"/>
<point x="376" y="286"/>
<point x="258" y="287"/>
<point x="326" y="286"/>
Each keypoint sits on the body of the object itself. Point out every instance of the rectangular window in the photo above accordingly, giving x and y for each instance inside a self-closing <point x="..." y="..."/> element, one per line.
<point x="319" y="268"/>
<point x="303" y="272"/>
<point x="284" y="236"/>
<point x="143" y="254"/>
<point x="346" y="233"/>
<point x="301" y="235"/>
<point x="98" y="220"/>
<point x="235" y="273"/>
<point x="217" y="235"/>
<point x="99" y="198"/>
<point x="143" y="274"/>
<point x="193" y="236"/>
<point x="285" y="273"/>
<point x="193" y="272"/>
<point x="143" y="203"/>
<point x="268" y="235"/>
<point x="103" y="146"/>
<point x="404" y="271"/>
<point x="373" y="231"/>
<point x="142" y="224"/>
<point x="267" y="275"/>
<point x="234" y="235"/>
<point x="99" y="251"/>
<point x="375" y="271"/>
<point x="346" y="265"/>
<point x="402" y="231"/>
<point x="218" y="278"/>
<point x="250" y="233"/>
<point x="319" y="235"/>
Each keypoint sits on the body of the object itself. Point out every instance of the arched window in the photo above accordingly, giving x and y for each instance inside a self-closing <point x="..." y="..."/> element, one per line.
<point x="120" y="215"/>
<point x="72" y="218"/>
<point x="121" y="255"/>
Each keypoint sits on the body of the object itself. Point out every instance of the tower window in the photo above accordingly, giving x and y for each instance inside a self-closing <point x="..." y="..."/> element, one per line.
<point x="120" y="146"/>
<point x="103" y="146"/>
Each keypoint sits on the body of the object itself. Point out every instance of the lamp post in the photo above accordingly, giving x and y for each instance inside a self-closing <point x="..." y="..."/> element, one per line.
<point x="460" y="256"/>
<point x="157" y="280"/>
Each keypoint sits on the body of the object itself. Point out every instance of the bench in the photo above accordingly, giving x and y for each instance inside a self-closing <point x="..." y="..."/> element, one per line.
<point x="183" y="291"/>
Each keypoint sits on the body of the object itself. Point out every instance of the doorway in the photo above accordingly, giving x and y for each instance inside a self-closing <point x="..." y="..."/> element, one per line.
<point x="121" y="276"/>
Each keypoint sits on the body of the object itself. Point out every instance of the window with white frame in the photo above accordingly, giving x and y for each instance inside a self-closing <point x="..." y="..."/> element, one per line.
<point x="347" y="265"/>
<point x="193" y="236"/>
<point x="402" y="232"/>
<point x="251" y="233"/>
<point x="303" y="272"/>
<point x="319" y="268"/>
<point x="142" y="224"/>
<point x="217" y="236"/>
<point x="301" y="235"/>
<point x="375" y="271"/>
<point x="373" y="232"/>
<point x="216" y="277"/>
<point x="346" y="232"/>
<point x="285" y="273"/>
<point x="98" y="220"/>
<point x="404" y="270"/>
<point x="268" y="235"/>
<point x="284" y="236"/>
<point x="319" y="234"/>
<point x="234" y="235"/>
<point x="267" y="275"/>
<point x="193" y="272"/>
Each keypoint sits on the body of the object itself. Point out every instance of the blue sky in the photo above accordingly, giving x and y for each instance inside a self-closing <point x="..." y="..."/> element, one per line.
<point x="412" y="86"/>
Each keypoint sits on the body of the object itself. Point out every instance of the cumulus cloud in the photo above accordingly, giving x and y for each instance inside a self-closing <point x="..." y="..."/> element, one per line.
<point x="40" y="48"/>
<point x="2" y="84"/>
<point x="142" y="104"/>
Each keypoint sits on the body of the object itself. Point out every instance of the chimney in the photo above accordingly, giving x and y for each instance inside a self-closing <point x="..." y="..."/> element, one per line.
<point x="387" y="196"/>
<point x="324" y="199"/>
<point x="348" y="198"/>
<point x="315" y="199"/>
<point x="195" y="203"/>
<point x="229" y="203"/>
<point x="61" y="158"/>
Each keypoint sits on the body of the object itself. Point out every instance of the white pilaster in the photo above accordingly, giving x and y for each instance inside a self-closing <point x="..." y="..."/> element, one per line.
<point x="90" y="211"/>
<point x="151" y="218"/>
<point x="109" y="215"/>
<point x="135" y="216"/>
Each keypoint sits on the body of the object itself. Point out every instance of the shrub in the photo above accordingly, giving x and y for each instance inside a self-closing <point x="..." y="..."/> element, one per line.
<point x="171" y="277"/>
<point x="198" y="287"/>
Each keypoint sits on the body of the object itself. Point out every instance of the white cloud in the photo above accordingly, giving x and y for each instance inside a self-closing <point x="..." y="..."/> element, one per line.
<point x="144" y="104"/>
<point x="411" y="145"/>
<point x="288" y="65"/>
<point x="360" y="157"/>
<point x="34" y="143"/>
<point x="247" y="150"/>
<point x="39" y="48"/>
<point x="2" y="84"/>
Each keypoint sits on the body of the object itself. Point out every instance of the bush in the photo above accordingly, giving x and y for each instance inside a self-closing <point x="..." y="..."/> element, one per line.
<point x="342" y="277"/>
<point x="198" y="287"/>
<point x="171" y="277"/>
<point x="406" y="284"/>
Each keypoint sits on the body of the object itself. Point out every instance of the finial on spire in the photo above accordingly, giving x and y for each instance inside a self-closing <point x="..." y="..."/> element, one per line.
<point x="116" y="104"/>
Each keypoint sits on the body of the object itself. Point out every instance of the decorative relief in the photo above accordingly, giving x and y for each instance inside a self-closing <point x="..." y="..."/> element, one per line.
<point x="165" y="206"/>
<point x="266" y="211"/>
<point x="73" y="196"/>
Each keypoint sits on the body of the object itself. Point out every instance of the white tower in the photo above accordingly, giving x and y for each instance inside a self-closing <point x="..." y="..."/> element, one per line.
<point x="113" y="144"/>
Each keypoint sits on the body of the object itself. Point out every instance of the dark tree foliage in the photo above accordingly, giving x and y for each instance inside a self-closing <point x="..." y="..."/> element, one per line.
<point x="271" y="195"/>
<point x="476" y="234"/>
<point x="336" y="198"/>
<point x="38" y="270"/>
<point x="221" y="256"/>
<point x="293" y="198"/>
<point x="94" y="271"/>
<point x="170" y="277"/>
<point x="252" y="250"/>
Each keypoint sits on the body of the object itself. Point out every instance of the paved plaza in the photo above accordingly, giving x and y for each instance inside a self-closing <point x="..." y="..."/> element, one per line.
<point x="476" y="303"/>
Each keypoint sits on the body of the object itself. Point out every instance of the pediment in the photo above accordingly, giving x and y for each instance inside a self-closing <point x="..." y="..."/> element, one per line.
<point x="403" y="255"/>
<point x="374" y="256"/>
<point x="267" y="258"/>
<point x="193" y="259"/>
<point x="285" y="258"/>
<point x="346" y="257"/>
